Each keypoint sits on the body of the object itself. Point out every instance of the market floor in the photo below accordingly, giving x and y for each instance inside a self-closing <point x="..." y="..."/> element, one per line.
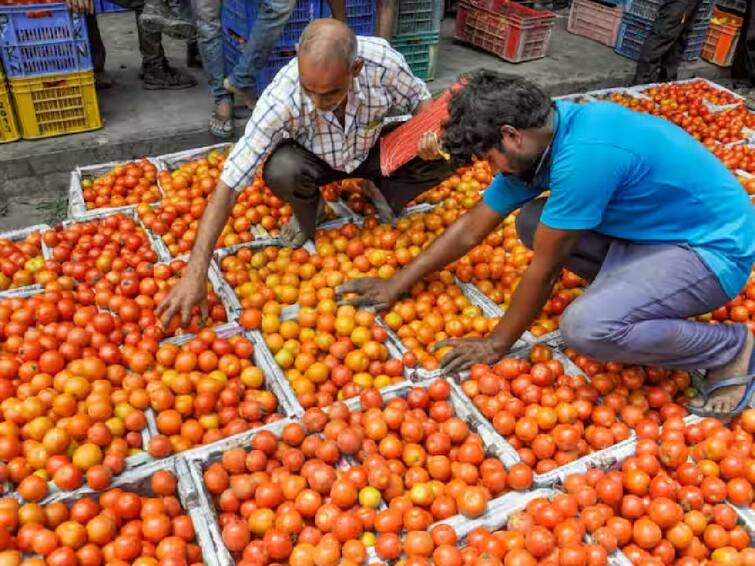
<point x="34" y="174"/>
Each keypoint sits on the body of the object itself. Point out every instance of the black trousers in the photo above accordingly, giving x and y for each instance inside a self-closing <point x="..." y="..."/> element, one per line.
<point x="295" y="175"/>
<point x="150" y="43"/>
<point x="743" y="65"/>
<point x="664" y="46"/>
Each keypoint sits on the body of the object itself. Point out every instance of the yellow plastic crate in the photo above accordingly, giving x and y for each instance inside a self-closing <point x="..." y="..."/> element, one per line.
<point x="8" y="125"/>
<point x="53" y="105"/>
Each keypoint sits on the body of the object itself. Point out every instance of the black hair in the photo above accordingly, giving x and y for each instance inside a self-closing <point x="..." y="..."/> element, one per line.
<point x="487" y="102"/>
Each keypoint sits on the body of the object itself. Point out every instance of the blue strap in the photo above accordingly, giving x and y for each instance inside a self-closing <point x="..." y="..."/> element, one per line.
<point x="708" y="389"/>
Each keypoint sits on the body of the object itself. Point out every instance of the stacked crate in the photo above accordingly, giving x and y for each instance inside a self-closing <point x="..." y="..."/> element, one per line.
<point x="416" y="34"/>
<point x="639" y="16"/>
<point x="722" y="38"/>
<point x="45" y="53"/>
<point x="512" y="31"/>
<point x="597" y="20"/>
<point x="8" y="126"/>
<point x="238" y="17"/>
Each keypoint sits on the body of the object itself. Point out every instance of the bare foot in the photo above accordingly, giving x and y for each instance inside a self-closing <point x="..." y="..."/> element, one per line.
<point x="725" y="399"/>
<point x="292" y="235"/>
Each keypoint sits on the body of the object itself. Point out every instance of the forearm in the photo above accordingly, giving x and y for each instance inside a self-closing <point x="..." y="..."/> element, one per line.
<point x="211" y="225"/>
<point x="527" y="302"/>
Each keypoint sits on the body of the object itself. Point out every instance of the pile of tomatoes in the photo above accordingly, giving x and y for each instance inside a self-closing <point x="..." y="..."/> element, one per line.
<point x="669" y="502"/>
<point x="327" y="352"/>
<point x="205" y="390"/>
<point x="436" y="310"/>
<point x="341" y="482"/>
<point x="120" y="526"/>
<point x="187" y="190"/>
<point x="69" y="415"/>
<point x="548" y="531"/>
<point x="126" y="184"/>
<point x="21" y="261"/>
<point x="552" y="418"/>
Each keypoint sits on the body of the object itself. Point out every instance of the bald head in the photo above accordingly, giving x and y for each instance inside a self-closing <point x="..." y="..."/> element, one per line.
<point x="328" y="63"/>
<point x="327" y="41"/>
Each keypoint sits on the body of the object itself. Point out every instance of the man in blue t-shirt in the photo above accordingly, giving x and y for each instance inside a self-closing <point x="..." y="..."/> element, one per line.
<point x="657" y="224"/>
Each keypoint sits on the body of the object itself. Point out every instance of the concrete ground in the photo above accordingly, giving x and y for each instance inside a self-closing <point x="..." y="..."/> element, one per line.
<point x="34" y="174"/>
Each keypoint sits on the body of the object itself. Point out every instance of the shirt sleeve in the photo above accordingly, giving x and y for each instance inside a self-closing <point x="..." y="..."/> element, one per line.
<point x="583" y="179"/>
<point x="507" y="193"/>
<point x="406" y="90"/>
<point x="271" y="121"/>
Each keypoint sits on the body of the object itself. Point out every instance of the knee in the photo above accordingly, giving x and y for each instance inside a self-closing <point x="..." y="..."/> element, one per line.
<point x="283" y="171"/>
<point x="528" y="219"/>
<point x="585" y="327"/>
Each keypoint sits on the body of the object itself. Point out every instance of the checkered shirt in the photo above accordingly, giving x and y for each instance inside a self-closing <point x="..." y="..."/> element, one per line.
<point x="283" y="112"/>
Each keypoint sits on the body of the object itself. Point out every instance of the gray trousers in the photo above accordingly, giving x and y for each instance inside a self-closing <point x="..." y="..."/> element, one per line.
<point x="640" y="298"/>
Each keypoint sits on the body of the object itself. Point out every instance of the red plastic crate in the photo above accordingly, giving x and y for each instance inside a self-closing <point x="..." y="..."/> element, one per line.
<point x="514" y="32"/>
<point x="595" y="21"/>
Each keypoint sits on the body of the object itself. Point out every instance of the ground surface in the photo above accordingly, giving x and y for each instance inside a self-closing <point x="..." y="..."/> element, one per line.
<point x="34" y="174"/>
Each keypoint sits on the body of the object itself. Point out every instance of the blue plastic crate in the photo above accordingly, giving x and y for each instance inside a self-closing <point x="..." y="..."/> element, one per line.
<point x="634" y="30"/>
<point x="43" y="39"/>
<point x="232" y="45"/>
<point x="360" y="15"/>
<point x="105" y="7"/>
<point x="240" y="15"/>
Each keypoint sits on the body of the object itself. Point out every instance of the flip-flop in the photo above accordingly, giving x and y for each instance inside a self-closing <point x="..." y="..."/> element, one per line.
<point x="707" y="390"/>
<point x="221" y="127"/>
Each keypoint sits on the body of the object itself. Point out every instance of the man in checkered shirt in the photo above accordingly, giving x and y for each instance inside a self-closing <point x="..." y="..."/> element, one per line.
<point x="318" y="122"/>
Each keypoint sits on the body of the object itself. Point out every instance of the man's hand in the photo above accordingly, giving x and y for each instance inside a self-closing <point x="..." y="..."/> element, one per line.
<point x="191" y="290"/>
<point x="81" y="6"/>
<point x="369" y="291"/>
<point x="468" y="351"/>
<point x="429" y="147"/>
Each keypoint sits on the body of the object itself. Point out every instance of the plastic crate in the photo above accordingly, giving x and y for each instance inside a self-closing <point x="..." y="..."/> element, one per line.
<point x="54" y="105"/>
<point x="232" y="45"/>
<point x="595" y="20"/>
<point x="514" y="32"/>
<point x="239" y="16"/>
<point x="105" y="7"/>
<point x="8" y="125"/>
<point x="43" y="39"/>
<point x="417" y="16"/>
<point x="421" y="53"/>
<point x="720" y="43"/>
<point x="360" y="15"/>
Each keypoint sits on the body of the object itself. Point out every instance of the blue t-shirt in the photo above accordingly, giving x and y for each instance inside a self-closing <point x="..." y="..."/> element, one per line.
<point x="640" y="178"/>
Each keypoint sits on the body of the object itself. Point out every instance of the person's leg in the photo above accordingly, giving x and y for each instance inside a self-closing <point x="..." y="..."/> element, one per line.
<point x="666" y="29"/>
<point x="743" y="63"/>
<point x="386" y="17"/>
<point x="294" y="174"/>
<point x="674" y="56"/>
<point x="210" y="43"/>
<point x="272" y="16"/>
<point x="97" y="49"/>
<point x="636" y="308"/>
<point x="589" y="253"/>
<point x="338" y="9"/>
<point x="171" y="17"/>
